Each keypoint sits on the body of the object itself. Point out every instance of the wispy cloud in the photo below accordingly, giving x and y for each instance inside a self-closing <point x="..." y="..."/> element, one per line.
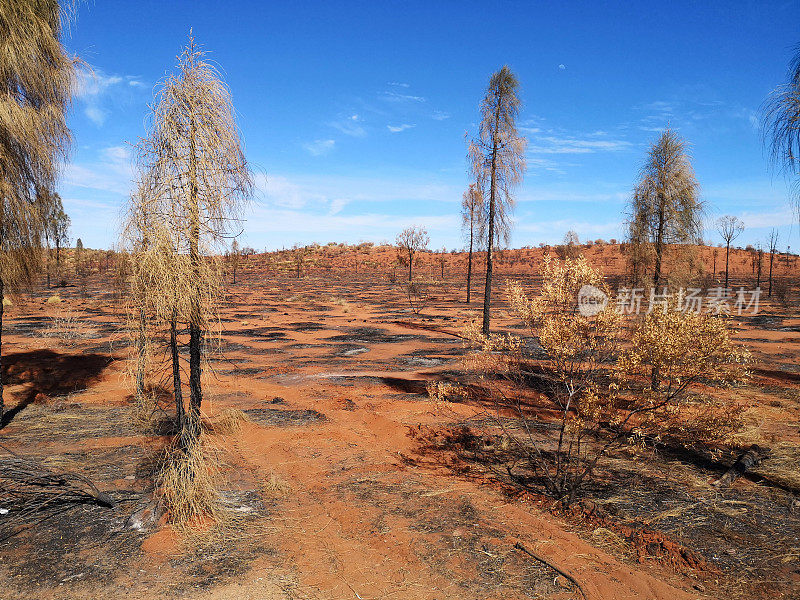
<point x="319" y="147"/>
<point x="95" y="87"/>
<point x="562" y="67"/>
<point x="111" y="172"/>
<point x="440" y="115"/>
<point x="392" y="96"/>
<point x="350" y="125"/>
<point x="398" y="84"/>
<point x="694" y="108"/>
<point x="551" y="144"/>
<point x="399" y="128"/>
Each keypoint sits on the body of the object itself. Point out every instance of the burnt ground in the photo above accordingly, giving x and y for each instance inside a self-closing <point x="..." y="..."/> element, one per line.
<point x="331" y="374"/>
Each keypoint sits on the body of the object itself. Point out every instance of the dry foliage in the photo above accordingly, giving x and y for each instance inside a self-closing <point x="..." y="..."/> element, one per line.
<point x="187" y="485"/>
<point x="497" y="162"/>
<point x="36" y="81"/>
<point x="597" y="388"/>
<point x="193" y="184"/>
<point x="665" y="207"/>
<point x="411" y="241"/>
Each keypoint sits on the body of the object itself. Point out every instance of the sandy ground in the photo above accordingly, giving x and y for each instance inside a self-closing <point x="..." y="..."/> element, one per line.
<point x="338" y="498"/>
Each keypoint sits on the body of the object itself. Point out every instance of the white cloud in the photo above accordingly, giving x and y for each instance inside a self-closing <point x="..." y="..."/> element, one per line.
<point x="399" y="128"/>
<point x="94" y="87"/>
<point x="112" y="172"/>
<point x="398" y="84"/>
<point x="337" y="204"/>
<point x="562" y="67"/>
<point x="393" y="96"/>
<point x="552" y="144"/>
<point x="96" y="114"/>
<point x="440" y="115"/>
<point x="319" y="147"/>
<point x="350" y="126"/>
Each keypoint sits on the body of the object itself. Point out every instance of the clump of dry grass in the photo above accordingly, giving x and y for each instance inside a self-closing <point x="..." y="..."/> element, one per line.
<point x="229" y="421"/>
<point x="65" y="325"/>
<point x="7" y="301"/>
<point x="442" y="391"/>
<point x="275" y="486"/>
<point x="54" y="299"/>
<point x="187" y="487"/>
<point x="341" y="302"/>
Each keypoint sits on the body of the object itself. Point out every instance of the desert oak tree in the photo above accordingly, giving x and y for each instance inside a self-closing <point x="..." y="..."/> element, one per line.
<point x="200" y="181"/>
<point x="665" y="207"/>
<point x="472" y="222"/>
<point x="497" y="161"/>
<point x="410" y="241"/>
<point x="37" y="77"/>
<point x="729" y="228"/>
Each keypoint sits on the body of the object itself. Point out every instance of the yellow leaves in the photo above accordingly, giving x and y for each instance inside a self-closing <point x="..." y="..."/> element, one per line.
<point x="683" y="347"/>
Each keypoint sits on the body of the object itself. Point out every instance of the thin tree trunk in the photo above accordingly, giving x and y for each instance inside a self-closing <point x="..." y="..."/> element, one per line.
<point x="195" y="330"/>
<point x="659" y="245"/>
<point x="180" y="416"/>
<point x="758" y="272"/>
<point x="487" y="292"/>
<point x="469" y="265"/>
<point x="47" y="263"/>
<point x="140" y="357"/>
<point x="410" y="264"/>
<point x="771" y="258"/>
<point x="2" y="310"/>
<point x="727" y="252"/>
<point x="655" y="376"/>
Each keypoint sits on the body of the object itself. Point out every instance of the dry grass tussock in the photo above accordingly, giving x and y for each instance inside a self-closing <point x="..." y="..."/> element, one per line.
<point x="66" y="325"/>
<point x="188" y="488"/>
<point x="228" y="421"/>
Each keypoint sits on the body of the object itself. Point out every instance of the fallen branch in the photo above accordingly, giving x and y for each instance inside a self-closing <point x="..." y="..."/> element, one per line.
<point x="557" y="569"/>
<point x="29" y="488"/>
<point x="754" y="455"/>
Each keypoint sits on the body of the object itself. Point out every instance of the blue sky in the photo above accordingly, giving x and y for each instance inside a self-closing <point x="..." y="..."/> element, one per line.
<point x="353" y="114"/>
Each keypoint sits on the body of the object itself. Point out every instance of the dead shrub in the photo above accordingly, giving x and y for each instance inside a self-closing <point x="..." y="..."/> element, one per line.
<point x="600" y="403"/>
<point x="418" y="295"/>
<point x="187" y="486"/>
<point x="443" y="391"/>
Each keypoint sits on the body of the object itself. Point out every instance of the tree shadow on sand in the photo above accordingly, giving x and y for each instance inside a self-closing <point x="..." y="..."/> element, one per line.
<point x="49" y="373"/>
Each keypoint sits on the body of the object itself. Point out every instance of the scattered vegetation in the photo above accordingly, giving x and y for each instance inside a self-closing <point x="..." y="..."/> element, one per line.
<point x="590" y="379"/>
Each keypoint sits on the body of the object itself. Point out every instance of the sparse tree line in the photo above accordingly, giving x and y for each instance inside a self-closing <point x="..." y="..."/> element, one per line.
<point x="193" y="181"/>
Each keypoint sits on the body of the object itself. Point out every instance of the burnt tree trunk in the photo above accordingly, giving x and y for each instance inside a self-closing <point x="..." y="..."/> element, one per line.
<point x="487" y="292"/>
<point x="469" y="264"/>
<point x="754" y="455"/>
<point x="180" y="416"/>
<point x="192" y="423"/>
<point x="2" y="310"/>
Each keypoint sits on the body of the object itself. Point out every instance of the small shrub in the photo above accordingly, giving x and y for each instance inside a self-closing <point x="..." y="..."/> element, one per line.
<point x="601" y="404"/>
<point x="187" y="485"/>
<point x="442" y="391"/>
<point x="55" y="299"/>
